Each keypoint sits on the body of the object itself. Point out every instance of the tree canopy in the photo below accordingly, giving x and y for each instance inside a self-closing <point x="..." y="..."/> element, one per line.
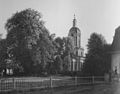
<point x="28" y="39"/>
<point x="97" y="57"/>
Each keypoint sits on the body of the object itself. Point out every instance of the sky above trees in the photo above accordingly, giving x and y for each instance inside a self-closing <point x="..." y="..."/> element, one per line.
<point x="101" y="16"/>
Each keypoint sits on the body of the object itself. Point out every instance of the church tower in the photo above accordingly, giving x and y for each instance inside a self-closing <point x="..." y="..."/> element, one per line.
<point x="75" y="34"/>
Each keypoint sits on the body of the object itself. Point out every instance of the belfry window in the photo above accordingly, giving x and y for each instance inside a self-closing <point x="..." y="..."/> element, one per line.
<point x="72" y="35"/>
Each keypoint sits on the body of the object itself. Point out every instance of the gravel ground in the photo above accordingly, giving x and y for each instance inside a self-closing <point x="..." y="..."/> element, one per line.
<point x="113" y="88"/>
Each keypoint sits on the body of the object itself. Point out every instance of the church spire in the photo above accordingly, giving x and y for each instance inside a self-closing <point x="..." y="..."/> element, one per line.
<point x="74" y="21"/>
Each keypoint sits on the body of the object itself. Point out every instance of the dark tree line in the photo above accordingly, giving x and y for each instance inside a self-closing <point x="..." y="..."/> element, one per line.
<point x="29" y="48"/>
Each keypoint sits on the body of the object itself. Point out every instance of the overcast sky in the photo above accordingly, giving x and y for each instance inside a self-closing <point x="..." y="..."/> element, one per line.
<point x="101" y="16"/>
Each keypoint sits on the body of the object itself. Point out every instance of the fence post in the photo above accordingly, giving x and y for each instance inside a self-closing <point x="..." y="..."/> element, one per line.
<point x="14" y="84"/>
<point x="75" y="80"/>
<point x="93" y="79"/>
<point x="50" y="81"/>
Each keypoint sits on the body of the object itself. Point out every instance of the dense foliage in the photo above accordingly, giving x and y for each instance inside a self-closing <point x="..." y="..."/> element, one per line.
<point x="29" y="41"/>
<point x="30" y="49"/>
<point x="97" y="60"/>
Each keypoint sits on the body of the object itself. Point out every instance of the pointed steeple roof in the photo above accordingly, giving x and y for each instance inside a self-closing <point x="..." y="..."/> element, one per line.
<point x="74" y="29"/>
<point x="116" y="41"/>
<point x="74" y="21"/>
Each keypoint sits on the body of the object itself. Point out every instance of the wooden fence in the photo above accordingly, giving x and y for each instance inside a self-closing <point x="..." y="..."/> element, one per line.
<point x="25" y="83"/>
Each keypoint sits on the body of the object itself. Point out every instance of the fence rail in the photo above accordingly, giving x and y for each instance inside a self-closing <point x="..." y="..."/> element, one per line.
<point x="9" y="84"/>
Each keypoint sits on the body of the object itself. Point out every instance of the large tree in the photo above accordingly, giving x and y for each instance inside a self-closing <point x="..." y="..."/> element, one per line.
<point x="97" y="57"/>
<point x="29" y="40"/>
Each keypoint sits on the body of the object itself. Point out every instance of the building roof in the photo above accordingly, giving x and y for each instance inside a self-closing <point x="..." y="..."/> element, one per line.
<point x="116" y="40"/>
<point x="74" y="30"/>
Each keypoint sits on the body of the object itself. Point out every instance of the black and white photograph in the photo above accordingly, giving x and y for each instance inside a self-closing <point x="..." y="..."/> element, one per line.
<point x="59" y="46"/>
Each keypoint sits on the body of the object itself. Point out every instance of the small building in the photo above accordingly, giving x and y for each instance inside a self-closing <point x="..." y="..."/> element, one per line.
<point x="75" y="35"/>
<point x="115" y="52"/>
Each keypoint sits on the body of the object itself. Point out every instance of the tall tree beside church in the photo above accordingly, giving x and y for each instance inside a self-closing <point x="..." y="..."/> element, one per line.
<point x="3" y="54"/>
<point x="58" y="63"/>
<point x="68" y="52"/>
<point x="59" y="43"/>
<point x="65" y="52"/>
<point x="95" y="62"/>
<point x="29" y="40"/>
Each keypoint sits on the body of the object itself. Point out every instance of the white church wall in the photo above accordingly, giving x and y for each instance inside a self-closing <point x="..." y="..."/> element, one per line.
<point x="115" y="61"/>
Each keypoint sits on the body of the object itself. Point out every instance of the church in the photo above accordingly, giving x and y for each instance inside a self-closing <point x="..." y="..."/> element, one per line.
<point x="75" y="35"/>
